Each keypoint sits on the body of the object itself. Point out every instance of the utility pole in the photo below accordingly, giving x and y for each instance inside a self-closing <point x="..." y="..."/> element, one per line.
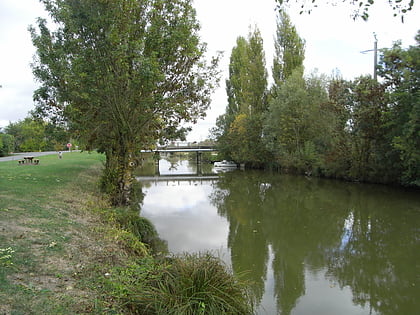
<point x="375" y="57"/>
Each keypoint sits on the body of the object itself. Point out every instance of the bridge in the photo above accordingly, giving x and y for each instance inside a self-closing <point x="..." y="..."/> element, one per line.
<point x="198" y="149"/>
<point x="183" y="148"/>
<point x="191" y="179"/>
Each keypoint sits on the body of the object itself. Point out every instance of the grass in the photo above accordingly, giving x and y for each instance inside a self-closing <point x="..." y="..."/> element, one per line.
<point x="47" y="231"/>
<point x="64" y="250"/>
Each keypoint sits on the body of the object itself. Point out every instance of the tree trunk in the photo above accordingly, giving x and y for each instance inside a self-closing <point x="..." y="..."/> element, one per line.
<point x="117" y="180"/>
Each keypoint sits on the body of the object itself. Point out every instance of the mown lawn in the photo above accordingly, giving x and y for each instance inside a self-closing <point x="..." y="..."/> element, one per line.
<point x="47" y="238"/>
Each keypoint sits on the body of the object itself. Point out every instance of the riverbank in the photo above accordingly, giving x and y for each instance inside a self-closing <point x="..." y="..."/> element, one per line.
<point x="63" y="250"/>
<point x="55" y="244"/>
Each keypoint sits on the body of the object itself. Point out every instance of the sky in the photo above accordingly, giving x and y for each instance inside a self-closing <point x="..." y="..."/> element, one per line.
<point x="334" y="41"/>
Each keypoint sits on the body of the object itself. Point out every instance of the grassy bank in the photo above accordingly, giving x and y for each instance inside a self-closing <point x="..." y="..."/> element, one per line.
<point x="44" y="222"/>
<point x="63" y="250"/>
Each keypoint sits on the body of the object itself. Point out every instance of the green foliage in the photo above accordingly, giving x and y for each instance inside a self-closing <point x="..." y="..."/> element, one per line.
<point x="6" y="144"/>
<point x="183" y="285"/>
<point x="247" y="83"/>
<point x="361" y="7"/>
<point x="401" y="72"/>
<point x="141" y="228"/>
<point x="28" y="135"/>
<point x="123" y="74"/>
<point x="295" y="128"/>
<point x="238" y="132"/>
<point x="289" y="50"/>
<point x="368" y="112"/>
<point x="358" y="130"/>
<point x="31" y="134"/>
<point x="245" y="142"/>
<point x="6" y="256"/>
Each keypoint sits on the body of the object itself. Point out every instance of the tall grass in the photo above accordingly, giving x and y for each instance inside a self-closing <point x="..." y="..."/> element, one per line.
<point x="192" y="284"/>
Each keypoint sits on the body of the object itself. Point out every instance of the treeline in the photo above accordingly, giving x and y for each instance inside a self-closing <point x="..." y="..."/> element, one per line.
<point x="31" y="134"/>
<point x="363" y="129"/>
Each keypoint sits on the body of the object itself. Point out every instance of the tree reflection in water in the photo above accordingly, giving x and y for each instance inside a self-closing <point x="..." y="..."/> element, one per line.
<point x="366" y="237"/>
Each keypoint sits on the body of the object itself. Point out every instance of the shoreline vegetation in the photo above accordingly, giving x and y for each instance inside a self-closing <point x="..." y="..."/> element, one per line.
<point x="65" y="250"/>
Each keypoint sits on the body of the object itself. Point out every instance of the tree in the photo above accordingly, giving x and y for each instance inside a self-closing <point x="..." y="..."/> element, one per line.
<point x="367" y="129"/>
<point x="337" y="157"/>
<point x="124" y="74"/>
<point x="289" y="50"/>
<point x="56" y="137"/>
<point x="296" y="125"/>
<point x="400" y="69"/>
<point x="237" y="84"/>
<point x="361" y="7"/>
<point x="239" y="129"/>
<point x="6" y="144"/>
<point x="245" y="143"/>
<point x="247" y="84"/>
<point x="28" y="135"/>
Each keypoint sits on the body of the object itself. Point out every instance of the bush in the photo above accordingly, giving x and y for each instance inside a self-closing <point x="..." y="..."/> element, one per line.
<point x="141" y="228"/>
<point x="189" y="285"/>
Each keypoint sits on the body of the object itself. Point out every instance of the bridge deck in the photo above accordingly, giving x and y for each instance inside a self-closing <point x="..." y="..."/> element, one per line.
<point x="176" y="178"/>
<point x="182" y="149"/>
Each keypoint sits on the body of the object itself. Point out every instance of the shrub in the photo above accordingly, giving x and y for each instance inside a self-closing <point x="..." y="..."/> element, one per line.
<point x="141" y="228"/>
<point x="192" y="284"/>
<point x="129" y="242"/>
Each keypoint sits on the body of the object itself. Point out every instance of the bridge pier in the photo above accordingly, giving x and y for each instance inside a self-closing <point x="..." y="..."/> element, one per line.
<point x="157" y="158"/>
<point x="199" y="163"/>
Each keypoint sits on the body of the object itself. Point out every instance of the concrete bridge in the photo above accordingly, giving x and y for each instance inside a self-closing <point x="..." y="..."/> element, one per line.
<point x="183" y="148"/>
<point x="191" y="179"/>
<point x="186" y="148"/>
<point x="198" y="149"/>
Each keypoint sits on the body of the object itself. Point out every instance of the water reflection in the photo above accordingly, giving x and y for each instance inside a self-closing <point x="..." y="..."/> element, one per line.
<point x="310" y="246"/>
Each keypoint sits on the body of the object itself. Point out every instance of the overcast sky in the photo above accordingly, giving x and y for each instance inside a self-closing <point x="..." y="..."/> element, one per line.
<point x="333" y="41"/>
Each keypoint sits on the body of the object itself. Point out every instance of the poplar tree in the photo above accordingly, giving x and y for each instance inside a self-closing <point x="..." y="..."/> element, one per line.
<point x="289" y="50"/>
<point x="246" y="89"/>
<point x="247" y="84"/>
<point x="123" y="74"/>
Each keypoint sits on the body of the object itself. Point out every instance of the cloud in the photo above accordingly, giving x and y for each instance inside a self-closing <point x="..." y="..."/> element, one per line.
<point x="184" y="213"/>
<point x="15" y="58"/>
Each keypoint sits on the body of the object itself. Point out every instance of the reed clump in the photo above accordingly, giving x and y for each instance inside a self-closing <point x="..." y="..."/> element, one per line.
<point x="190" y="284"/>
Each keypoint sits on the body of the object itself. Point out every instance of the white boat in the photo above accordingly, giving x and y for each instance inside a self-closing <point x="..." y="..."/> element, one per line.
<point x="224" y="163"/>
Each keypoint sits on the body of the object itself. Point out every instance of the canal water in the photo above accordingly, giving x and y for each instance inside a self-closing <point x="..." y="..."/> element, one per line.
<point x="308" y="246"/>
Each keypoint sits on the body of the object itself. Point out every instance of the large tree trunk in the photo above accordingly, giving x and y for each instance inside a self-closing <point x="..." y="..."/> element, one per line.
<point x="117" y="179"/>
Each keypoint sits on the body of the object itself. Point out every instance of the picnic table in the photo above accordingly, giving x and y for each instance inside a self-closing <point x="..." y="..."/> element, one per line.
<point x="29" y="160"/>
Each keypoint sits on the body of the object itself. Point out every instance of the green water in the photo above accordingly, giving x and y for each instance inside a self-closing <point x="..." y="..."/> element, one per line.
<point x="308" y="246"/>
